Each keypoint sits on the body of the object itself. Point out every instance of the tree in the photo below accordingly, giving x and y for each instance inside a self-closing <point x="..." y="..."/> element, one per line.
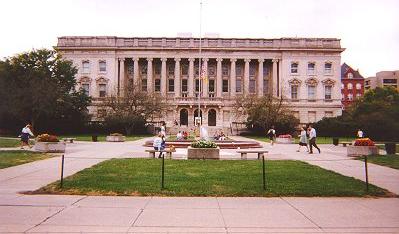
<point x="39" y="87"/>
<point x="264" y="112"/>
<point x="132" y="109"/>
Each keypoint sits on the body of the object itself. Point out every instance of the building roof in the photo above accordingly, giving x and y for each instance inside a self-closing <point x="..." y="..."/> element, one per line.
<point x="345" y="68"/>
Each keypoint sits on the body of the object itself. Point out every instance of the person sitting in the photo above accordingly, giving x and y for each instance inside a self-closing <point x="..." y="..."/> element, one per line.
<point x="185" y="135"/>
<point x="222" y="137"/>
<point x="179" y="136"/>
<point x="159" y="144"/>
<point x="216" y="135"/>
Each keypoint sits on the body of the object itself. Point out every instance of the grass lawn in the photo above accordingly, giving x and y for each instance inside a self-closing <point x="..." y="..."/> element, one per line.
<point x="10" y="143"/>
<point x="87" y="137"/>
<point x="13" y="158"/>
<point x="320" y="140"/>
<point x="390" y="160"/>
<point x="139" y="177"/>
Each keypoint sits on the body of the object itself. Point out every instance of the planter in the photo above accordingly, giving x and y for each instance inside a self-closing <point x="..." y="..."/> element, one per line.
<point x="115" y="138"/>
<point x="335" y="141"/>
<point x="390" y="148"/>
<point x="203" y="153"/>
<point x="361" y="150"/>
<point x="284" y="140"/>
<point x="50" y="147"/>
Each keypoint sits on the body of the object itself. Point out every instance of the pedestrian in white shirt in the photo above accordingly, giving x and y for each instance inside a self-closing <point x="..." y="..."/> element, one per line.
<point x="272" y="135"/>
<point x="25" y="134"/>
<point x="359" y="133"/>
<point x="312" y="139"/>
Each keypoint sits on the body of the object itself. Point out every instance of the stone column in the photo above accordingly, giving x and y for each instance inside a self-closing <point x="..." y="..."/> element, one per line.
<point x="190" y="82"/>
<point x="260" y="77"/>
<point x="246" y="76"/>
<point x="136" y="72"/>
<point x="205" y="85"/>
<point x="233" y="77"/>
<point x="177" y="77"/>
<point x="163" y="77"/>
<point x="219" y="77"/>
<point x="122" y="76"/>
<point x="274" y="79"/>
<point x="150" y="85"/>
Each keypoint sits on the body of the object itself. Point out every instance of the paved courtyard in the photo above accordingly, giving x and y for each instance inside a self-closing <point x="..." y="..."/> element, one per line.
<point x="64" y="213"/>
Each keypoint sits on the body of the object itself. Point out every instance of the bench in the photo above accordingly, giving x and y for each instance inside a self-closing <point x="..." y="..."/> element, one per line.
<point x="70" y="140"/>
<point x="245" y="152"/>
<point x="168" y="152"/>
<point x="344" y="143"/>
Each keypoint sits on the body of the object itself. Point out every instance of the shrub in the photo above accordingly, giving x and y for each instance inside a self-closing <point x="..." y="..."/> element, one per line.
<point x="203" y="144"/>
<point x="47" y="138"/>
<point x="364" y="142"/>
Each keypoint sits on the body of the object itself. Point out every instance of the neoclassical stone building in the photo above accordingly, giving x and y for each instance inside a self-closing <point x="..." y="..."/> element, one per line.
<point x="305" y="71"/>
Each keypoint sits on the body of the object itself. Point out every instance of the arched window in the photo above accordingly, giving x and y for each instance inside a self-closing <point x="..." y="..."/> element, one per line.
<point x="294" y="68"/>
<point x="183" y="117"/>
<point x="85" y="66"/>
<point x="211" y="117"/>
<point x="350" y="86"/>
<point x="350" y="76"/>
<point x="358" y="86"/>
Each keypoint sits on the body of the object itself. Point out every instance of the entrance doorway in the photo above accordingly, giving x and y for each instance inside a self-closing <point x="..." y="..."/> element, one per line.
<point x="196" y="115"/>
<point x="212" y="117"/>
<point x="184" y="117"/>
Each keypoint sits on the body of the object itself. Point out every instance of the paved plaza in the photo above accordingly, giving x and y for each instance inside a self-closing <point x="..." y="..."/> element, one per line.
<point x="68" y="214"/>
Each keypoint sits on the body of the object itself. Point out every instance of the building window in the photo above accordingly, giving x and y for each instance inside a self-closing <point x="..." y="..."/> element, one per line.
<point x="157" y="85"/>
<point x="311" y="68"/>
<point x="311" y="92"/>
<point x="157" y="69"/>
<point x="294" y="68"/>
<point x="327" y="92"/>
<point x="350" y="97"/>
<point x="350" y="86"/>
<point x="171" y="85"/>
<point x="328" y="68"/>
<point x="350" y="76"/>
<point x="102" y="88"/>
<point x="294" y="92"/>
<point x="171" y="70"/>
<point x="86" y="89"/>
<point x="184" y="85"/>
<point x="86" y="67"/>
<point x="211" y="71"/>
<point x="252" y="85"/>
<point x="252" y="71"/>
<point x="358" y="86"/>
<point x="211" y="85"/>
<point x="265" y="86"/>
<point x="328" y="114"/>
<point x="143" y="69"/>
<point x="103" y="66"/>
<point x="144" y="85"/>
<point x="358" y="95"/>
<point x="225" y="70"/>
<point x="225" y="86"/>
<point x="196" y="70"/>
<point x="238" y="86"/>
<point x="265" y="70"/>
<point x="238" y="70"/>
<point x="184" y="69"/>
<point x="197" y="85"/>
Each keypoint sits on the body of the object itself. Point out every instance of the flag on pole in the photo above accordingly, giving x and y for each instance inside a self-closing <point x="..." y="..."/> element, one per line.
<point x="204" y="74"/>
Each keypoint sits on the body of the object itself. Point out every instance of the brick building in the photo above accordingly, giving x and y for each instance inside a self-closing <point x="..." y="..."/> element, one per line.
<point x="352" y="85"/>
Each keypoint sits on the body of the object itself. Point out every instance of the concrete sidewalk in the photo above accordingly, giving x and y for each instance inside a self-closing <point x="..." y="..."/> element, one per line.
<point x="68" y="214"/>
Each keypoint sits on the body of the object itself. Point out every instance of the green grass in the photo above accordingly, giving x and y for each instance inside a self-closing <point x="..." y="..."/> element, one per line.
<point x="87" y="137"/>
<point x="13" y="158"/>
<point x="210" y="178"/>
<point x="320" y="140"/>
<point x="390" y="160"/>
<point x="10" y="143"/>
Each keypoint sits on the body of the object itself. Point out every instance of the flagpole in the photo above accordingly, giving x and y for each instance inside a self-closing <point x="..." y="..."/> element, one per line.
<point x="200" y="72"/>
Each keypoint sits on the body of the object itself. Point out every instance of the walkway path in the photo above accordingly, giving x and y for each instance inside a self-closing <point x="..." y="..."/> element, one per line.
<point x="54" y="213"/>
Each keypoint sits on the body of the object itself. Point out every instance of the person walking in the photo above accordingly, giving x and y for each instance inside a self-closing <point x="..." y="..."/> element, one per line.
<point x="163" y="129"/>
<point x="272" y="135"/>
<point x="303" y="140"/>
<point x="360" y="133"/>
<point x="312" y="139"/>
<point x="25" y="134"/>
<point x="158" y="144"/>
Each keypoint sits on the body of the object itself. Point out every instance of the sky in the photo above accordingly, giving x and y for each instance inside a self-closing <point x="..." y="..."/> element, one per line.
<point x="368" y="29"/>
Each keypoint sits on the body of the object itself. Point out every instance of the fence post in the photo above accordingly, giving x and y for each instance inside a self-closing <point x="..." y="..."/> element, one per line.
<point x="367" y="173"/>
<point x="264" y="175"/>
<point x="163" y="172"/>
<point x="62" y="171"/>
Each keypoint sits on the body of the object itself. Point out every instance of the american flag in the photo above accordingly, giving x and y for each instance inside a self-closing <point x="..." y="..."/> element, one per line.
<point x="203" y="74"/>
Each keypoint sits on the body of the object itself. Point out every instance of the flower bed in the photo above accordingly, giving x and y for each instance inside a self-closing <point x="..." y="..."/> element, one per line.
<point x="49" y="144"/>
<point x="285" y="139"/>
<point x="362" y="146"/>
<point x="203" y="150"/>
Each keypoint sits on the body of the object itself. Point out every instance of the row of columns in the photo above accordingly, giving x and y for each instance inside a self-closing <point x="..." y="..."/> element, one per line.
<point x="190" y="83"/>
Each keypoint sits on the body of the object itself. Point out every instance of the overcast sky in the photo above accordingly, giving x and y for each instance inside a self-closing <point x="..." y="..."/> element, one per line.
<point x="368" y="29"/>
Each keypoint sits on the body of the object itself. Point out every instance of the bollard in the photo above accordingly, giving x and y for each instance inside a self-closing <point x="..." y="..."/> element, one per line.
<point x="62" y="171"/>
<point x="367" y="173"/>
<point x="264" y="175"/>
<point x="163" y="172"/>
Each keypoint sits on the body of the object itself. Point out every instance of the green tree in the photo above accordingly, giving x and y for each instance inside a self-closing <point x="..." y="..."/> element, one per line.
<point x="264" y="112"/>
<point x="39" y="87"/>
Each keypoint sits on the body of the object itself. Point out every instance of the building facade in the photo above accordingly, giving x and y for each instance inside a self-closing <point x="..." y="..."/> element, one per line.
<point x="383" y="79"/>
<point x="352" y="85"/>
<point x="304" y="71"/>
